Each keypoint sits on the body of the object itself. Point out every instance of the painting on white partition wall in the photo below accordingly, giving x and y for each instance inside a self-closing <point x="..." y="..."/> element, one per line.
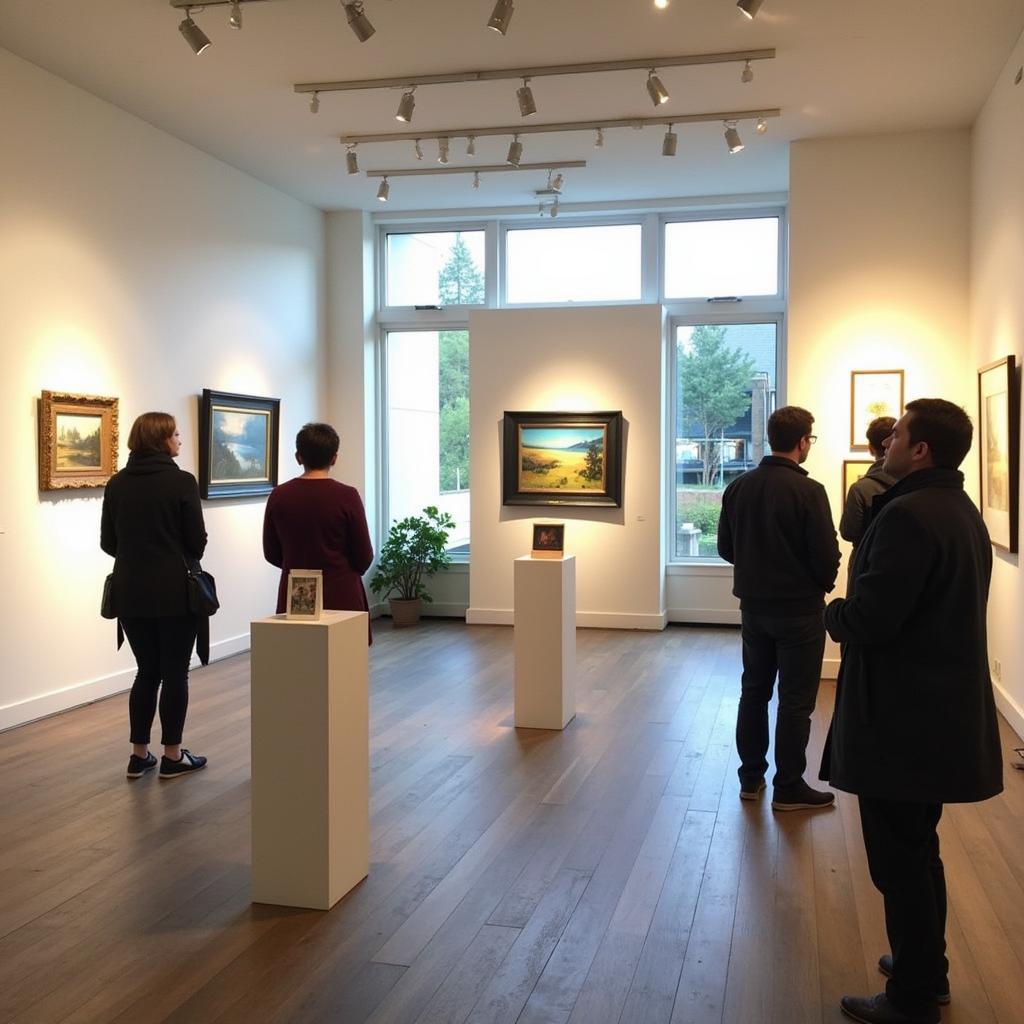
<point x="77" y="440"/>
<point x="998" y="428"/>
<point x="873" y="393"/>
<point x="237" y="444"/>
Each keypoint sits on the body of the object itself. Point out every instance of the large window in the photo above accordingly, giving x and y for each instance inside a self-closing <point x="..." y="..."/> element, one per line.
<point x="706" y="258"/>
<point x="442" y="268"/>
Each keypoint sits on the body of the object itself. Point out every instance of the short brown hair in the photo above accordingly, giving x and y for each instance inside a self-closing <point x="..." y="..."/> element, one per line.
<point x="317" y="444"/>
<point x="786" y="426"/>
<point x="944" y="427"/>
<point x="150" y="432"/>
<point x="878" y="430"/>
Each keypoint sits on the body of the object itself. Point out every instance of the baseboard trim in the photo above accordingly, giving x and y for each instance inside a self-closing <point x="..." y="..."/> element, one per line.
<point x="584" y="620"/>
<point x="32" y="709"/>
<point x="437" y="610"/>
<point x="1009" y="708"/>
<point x="705" y="616"/>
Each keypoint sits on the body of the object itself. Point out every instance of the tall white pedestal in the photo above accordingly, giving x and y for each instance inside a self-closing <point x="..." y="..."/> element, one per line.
<point x="310" y="759"/>
<point x="545" y="642"/>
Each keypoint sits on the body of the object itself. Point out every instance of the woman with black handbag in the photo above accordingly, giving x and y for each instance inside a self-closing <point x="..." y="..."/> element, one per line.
<point x="153" y="526"/>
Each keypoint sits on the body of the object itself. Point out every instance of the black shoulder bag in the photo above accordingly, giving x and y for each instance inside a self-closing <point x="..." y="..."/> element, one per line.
<point x="201" y="588"/>
<point x="107" y="607"/>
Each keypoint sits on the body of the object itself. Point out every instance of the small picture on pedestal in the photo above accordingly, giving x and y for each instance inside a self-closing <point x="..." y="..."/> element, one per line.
<point x="305" y="594"/>
<point x="548" y="540"/>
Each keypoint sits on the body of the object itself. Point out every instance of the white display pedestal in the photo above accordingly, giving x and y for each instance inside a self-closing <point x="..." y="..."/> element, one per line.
<point x="310" y="759"/>
<point x="545" y="642"/>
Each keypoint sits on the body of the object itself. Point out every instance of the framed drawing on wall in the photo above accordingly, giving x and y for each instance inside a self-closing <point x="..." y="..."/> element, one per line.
<point x="853" y="470"/>
<point x="998" y="427"/>
<point x="77" y="440"/>
<point x="562" y="458"/>
<point x="237" y="444"/>
<point x="873" y="393"/>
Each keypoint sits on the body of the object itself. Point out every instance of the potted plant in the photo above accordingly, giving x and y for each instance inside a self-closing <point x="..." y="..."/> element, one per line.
<point x="415" y="548"/>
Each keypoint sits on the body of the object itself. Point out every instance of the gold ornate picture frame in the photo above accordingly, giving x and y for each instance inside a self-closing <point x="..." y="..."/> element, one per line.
<point x="77" y="440"/>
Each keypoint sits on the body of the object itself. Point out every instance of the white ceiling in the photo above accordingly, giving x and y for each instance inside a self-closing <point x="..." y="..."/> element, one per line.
<point x="843" y="67"/>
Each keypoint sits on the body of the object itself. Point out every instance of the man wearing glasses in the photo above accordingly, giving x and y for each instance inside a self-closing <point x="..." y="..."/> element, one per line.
<point x="776" y="529"/>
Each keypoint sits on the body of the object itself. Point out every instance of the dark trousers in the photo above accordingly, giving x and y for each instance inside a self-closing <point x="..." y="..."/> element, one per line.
<point x="162" y="649"/>
<point x="902" y="845"/>
<point x="792" y="648"/>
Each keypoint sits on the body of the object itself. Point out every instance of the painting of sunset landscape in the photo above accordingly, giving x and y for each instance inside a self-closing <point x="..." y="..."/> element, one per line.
<point x="565" y="458"/>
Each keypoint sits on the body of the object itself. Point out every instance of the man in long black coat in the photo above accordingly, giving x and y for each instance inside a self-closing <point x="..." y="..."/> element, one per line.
<point x="915" y="722"/>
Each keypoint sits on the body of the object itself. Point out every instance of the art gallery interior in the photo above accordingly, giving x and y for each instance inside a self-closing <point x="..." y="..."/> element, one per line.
<point x="173" y="222"/>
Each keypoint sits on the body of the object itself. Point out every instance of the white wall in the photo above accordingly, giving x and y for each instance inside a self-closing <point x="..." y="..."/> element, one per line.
<point x="997" y="328"/>
<point x="878" y="280"/>
<point x="571" y="360"/>
<point x="135" y="266"/>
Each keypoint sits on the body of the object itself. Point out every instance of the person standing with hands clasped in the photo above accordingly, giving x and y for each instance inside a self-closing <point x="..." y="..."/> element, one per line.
<point x="776" y="529"/>
<point x="915" y="722"/>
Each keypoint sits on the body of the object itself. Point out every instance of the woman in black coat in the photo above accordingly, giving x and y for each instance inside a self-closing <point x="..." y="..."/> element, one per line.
<point x="152" y="522"/>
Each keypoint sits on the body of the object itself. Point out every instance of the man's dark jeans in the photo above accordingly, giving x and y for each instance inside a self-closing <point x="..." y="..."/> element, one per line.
<point x="791" y="647"/>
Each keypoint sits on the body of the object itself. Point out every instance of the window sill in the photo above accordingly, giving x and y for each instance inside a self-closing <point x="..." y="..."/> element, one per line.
<point x="708" y="568"/>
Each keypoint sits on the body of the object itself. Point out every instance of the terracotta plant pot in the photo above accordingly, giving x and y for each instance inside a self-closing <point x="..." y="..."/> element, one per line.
<point x="405" y="611"/>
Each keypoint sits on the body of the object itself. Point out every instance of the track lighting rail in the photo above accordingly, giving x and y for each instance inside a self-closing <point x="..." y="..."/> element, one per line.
<point x="548" y="165"/>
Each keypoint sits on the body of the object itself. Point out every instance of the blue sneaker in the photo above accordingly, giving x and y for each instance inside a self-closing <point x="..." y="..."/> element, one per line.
<point x="138" y="766"/>
<point x="185" y="765"/>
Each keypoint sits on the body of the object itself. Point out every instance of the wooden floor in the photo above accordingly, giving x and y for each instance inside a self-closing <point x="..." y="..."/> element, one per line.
<point x="607" y="873"/>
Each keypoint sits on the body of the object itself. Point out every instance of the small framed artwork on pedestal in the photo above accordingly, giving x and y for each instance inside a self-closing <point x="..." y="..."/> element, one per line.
<point x="305" y="597"/>
<point x="548" y="540"/>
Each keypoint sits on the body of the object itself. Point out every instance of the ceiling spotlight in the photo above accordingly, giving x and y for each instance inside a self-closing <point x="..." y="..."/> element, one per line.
<point x="762" y="126"/>
<point x="747" y="74"/>
<point x="599" y="138"/>
<point x="501" y="16"/>
<point x="525" y="96"/>
<point x="476" y="179"/>
<point x="732" y="137"/>
<point x="661" y="4"/>
<point x="406" y="105"/>
<point x="554" y="207"/>
<point x="540" y="209"/>
<point x="471" y="146"/>
<point x="442" y="150"/>
<point x="194" y="35"/>
<point x="657" y="92"/>
<point x="384" y="190"/>
<point x="235" y="21"/>
<point x="515" y="152"/>
<point x="358" y="21"/>
<point x="417" y="149"/>
<point x="557" y="181"/>
<point x="749" y="7"/>
<point x="314" y="103"/>
<point x="668" y="144"/>
<point x="352" y="161"/>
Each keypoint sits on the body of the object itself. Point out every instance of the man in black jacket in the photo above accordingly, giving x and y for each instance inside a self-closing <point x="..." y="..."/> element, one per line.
<point x="776" y="528"/>
<point x="915" y="722"/>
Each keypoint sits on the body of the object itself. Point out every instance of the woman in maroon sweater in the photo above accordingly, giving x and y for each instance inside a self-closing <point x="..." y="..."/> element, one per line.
<point x="314" y="522"/>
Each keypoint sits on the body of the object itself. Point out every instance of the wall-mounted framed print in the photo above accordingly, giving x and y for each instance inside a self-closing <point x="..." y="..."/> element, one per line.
<point x="548" y="540"/>
<point x="873" y="393"/>
<point x="853" y="470"/>
<point x="237" y="444"/>
<point x="77" y="440"/>
<point x="305" y="596"/>
<point x="562" y="458"/>
<point x="998" y="428"/>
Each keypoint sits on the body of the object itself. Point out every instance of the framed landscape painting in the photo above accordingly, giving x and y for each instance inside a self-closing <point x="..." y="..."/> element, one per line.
<point x="998" y="427"/>
<point x="873" y="393"/>
<point x="237" y="444"/>
<point x="77" y="440"/>
<point x="853" y="470"/>
<point x="562" y="458"/>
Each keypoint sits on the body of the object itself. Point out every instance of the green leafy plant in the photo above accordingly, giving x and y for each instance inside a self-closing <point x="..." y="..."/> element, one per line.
<point x="415" y="547"/>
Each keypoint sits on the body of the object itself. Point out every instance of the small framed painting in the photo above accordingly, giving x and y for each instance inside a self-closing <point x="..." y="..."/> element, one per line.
<point x="548" y="540"/>
<point x="562" y="458"/>
<point x="853" y="470"/>
<point x="873" y="393"/>
<point x="998" y="427"/>
<point x="237" y="444"/>
<point x="77" y="440"/>
<point x="305" y="599"/>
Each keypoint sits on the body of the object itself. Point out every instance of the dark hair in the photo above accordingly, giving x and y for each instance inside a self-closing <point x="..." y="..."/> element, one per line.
<point x="944" y="427"/>
<point x="317" y="444"/>
<point x="150" y="432"/>
<point x="878" y="430"/>
<point x="786" y="426"/>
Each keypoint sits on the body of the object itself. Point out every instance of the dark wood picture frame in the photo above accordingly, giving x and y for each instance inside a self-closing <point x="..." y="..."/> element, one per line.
<point x="525" y="484"/>
<point x="89" y="461"/>
<point x="548" y="540"/>
<point x="999" y="451"/>
<point x="859" y="423"/>
<point x="221" y="473"/>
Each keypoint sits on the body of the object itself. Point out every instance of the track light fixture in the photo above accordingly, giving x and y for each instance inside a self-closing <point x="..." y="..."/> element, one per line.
<point x="524" y="94"/>
<point x="235" y="20"/>
<point x="657" y="92"/>
<point x="557" y="181"/>
<point x="501" y="16"/>
<point x="417" y="149"/>
<point x="314" y="103"/>
<point x="762" y="126"/>
<point x="351" y="161"/>
<point x="599" y="138"/>
<point x="406" y="105"/>
<point x="554" y="208"/>
<point x="668" y="144"/>
<point x="442" y="150"/>
<point x="383" y="190"/>
<point x="358" y="21"/>
<point x="476" y="179"/>
<point x="749" y="7"/>
<point x="471" y="146"/>
<point x="194" y="35"/>
<point x="515" y="152"/>
<point x="661" y="4"/>
<point x="732" y="137"/>
<point x="747" y="74"/>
